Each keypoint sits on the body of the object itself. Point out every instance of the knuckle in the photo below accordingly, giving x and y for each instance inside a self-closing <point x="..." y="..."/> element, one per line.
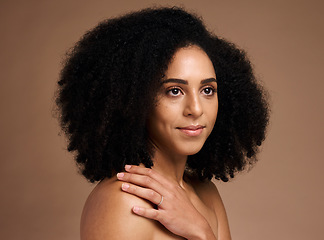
<point x="135" y="168"/>
<point x="143" y="211"/>
<point x="127" y="176"/>
<point x="156" y="215"/>
<point x="152" y="193"/>
<point x="156" y="196"/>
<point x="149" y="171"/>
<point x="147" y="180"/>
<point x="132" y="189"/>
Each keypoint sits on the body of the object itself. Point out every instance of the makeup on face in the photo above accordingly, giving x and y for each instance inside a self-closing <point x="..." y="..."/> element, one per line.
<point x="187" y="104"/>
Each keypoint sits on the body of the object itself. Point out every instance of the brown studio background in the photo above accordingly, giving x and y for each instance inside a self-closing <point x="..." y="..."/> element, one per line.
<point x="42" y="194"/>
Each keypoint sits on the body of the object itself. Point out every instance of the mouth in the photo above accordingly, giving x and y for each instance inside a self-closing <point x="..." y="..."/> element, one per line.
<point x="192" y="130"/>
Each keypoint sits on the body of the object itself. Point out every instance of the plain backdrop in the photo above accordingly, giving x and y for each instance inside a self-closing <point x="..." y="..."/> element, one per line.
<point x="42" y="194"/>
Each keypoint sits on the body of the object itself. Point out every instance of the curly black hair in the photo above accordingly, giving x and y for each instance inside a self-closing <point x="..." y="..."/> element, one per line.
<point x="110" y="79"/>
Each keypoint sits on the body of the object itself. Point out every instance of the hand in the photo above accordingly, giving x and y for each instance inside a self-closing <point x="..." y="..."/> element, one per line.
<point x="174" y="209"/>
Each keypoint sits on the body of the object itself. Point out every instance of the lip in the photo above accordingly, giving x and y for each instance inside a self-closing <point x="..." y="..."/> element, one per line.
<point x="192" y="130"/>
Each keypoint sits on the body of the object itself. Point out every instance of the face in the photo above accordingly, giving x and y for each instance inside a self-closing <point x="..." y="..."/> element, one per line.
<point x="187" y="104"/>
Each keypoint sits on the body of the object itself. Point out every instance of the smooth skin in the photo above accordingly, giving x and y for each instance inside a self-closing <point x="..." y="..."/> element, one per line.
<point x="125" y="206"/>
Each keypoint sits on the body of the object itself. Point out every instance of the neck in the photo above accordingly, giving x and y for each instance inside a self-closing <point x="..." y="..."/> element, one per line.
<point x="170" y="165"/>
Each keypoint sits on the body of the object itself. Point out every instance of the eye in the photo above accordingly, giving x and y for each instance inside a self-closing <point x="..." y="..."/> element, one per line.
<point x="209" y="91"/>
<point x="174" y="92"/>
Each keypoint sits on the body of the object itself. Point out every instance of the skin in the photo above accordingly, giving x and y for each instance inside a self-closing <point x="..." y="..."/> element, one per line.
<point x="125" y="206"/>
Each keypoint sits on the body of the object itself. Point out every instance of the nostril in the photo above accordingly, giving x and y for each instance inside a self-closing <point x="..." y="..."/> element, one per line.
<point x="193" y="106"/>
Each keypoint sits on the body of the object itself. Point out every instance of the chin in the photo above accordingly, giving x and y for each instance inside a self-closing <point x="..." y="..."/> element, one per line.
<point x="191" y="150"/>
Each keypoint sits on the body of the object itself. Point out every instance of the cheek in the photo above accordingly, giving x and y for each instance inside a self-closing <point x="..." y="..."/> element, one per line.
<point x="212" y="112"/>
<point x="158" y="122"/>
<point x="167" y="115"/>
<point x="215" y="111"/>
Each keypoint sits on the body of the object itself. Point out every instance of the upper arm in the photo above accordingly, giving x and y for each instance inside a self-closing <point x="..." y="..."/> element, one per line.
<point x="108" y="214"/>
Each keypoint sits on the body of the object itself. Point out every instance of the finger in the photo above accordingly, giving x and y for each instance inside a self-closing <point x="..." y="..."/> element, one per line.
<point x="142" y="180"/>
<point x="144" y="193"/>
<point x="148" y="213"/>
<point x="147" y="172"/>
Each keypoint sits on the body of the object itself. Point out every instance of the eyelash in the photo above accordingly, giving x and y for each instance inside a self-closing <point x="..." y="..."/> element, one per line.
<point x="169" y="91"/>
<point x="213" y="90"/>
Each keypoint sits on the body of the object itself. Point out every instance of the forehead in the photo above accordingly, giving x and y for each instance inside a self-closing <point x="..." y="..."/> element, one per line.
<point x="190" y="62"/>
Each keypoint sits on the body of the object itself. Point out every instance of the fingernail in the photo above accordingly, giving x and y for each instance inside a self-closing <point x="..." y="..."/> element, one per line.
<point x="136" y="209"/>
<point x="120" y="175"/>
<point x="125" y="186"/>
<point x="127" y="167"/>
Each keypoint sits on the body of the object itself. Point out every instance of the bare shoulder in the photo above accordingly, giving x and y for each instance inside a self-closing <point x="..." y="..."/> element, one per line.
<point x="209" y="194"/>
<point x="107" y="214"/>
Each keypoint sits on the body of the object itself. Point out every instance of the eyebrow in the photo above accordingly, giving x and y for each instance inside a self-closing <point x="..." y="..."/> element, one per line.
<point x="181" y="81"/>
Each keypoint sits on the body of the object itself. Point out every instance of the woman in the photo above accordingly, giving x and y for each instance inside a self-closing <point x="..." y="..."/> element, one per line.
<point x="139" y="97"/>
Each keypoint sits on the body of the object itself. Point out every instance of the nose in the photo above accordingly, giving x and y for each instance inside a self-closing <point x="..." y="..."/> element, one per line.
<point x="193" y="107"/>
